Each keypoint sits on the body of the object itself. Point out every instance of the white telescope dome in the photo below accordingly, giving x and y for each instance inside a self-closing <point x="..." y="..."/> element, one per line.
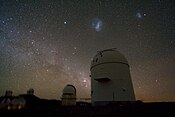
<point x="108" y="56"/>
<point x="69" y="95"/>
<point x="110" y="78"/>
<point x="69" y="89"/>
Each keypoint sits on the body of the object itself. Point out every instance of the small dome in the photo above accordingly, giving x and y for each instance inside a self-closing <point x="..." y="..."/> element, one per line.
<point x="30" y="91"/>
<point x="8" y="93"/>
<point x="69" y="89"/>
<point x="108" y="56"/>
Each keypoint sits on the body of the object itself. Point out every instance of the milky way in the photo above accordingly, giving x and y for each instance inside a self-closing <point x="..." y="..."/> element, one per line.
<point x="45" y="45"/>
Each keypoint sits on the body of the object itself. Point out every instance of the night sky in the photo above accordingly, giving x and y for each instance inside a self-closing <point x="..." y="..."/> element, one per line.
<point x="46" y="44"/>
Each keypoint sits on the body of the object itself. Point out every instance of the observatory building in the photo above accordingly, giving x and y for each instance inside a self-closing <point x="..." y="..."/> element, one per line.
<point x="110" y="78"/>
<point x="18" y="103"/>
<point x="69" y="95"/>
<point x="30" y="91"/>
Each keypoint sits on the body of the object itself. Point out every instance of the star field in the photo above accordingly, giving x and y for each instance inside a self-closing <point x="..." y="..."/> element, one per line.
<point x="45" y="45"/>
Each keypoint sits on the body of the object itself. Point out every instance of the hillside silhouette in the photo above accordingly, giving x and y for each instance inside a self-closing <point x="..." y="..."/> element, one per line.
<point x="36" y="107"/>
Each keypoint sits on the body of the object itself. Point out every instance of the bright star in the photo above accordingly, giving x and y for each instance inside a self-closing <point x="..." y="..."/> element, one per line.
<point x="65" y="22"/>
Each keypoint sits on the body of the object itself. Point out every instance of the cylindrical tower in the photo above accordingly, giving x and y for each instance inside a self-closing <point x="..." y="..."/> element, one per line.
<point x="110" y="78"/>
<point x="69" y="95"/>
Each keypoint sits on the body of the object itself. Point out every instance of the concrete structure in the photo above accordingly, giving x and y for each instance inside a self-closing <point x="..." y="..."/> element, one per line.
<point x="30" y="91"/>
<point x="18" y="103"/>
<point x="12" y="103"/>
<point x="110" y="78"/>
<point x="5" y="103"/>
<point x="69" y="95"/>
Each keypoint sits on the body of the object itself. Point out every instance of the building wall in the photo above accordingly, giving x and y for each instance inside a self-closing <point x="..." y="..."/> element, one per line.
<point x="119" y="88"/>
<point x="68" y="100"/>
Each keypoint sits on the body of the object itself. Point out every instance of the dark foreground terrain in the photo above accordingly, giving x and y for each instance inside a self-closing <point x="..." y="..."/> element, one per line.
<point x="36" y="107"/>
<point x="118" y="110"/>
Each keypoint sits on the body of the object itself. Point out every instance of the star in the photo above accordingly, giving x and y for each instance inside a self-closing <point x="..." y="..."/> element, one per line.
<point x="65" y="22"/>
